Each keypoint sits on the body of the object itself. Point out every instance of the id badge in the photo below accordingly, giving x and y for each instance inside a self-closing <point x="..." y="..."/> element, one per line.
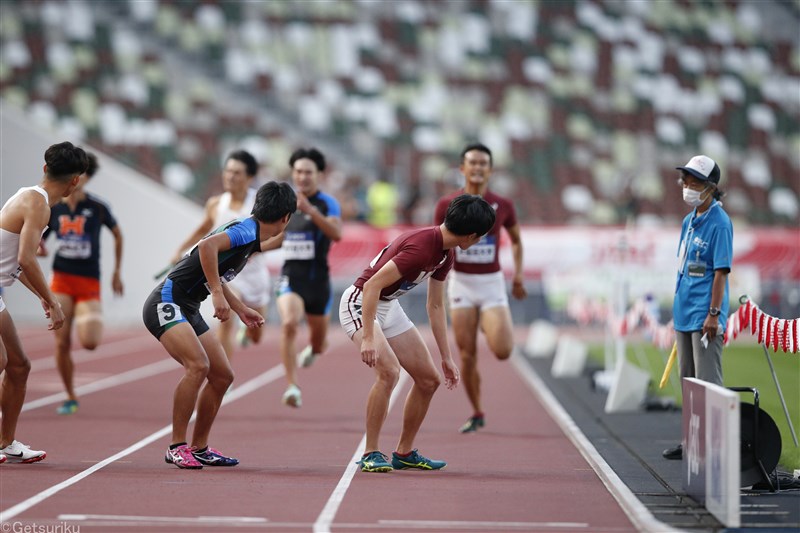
<point x="696" y="269"/>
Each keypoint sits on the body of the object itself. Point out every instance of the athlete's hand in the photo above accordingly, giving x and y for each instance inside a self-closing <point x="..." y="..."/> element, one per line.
<point x="251" y="318"/>
<point x="518" y="289"/>
<point x="54" y="314"/>
<point x="222" y="309"/>
<point x="368" y="352"/>
<point x="451" y="373"/>
<point x="116" y="284"/>
<point x="303" y="205"/>
<point x="41" y="250"/>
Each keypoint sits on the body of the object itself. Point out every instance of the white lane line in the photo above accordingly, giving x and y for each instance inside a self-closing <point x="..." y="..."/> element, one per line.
<point x="480" y="525"/>
<point x="187" y="520"/>
<point x="104" y="351"/>
<point x="136" y="374"/>
<point x="325" y="518"/>
<point x="638" y="514"/>
<point x="246" y="388"/>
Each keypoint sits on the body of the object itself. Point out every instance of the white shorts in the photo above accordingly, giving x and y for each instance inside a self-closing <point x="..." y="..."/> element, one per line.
<point x="483" y="291"/>
<point x="390" y="316"/>
<point x="253" y="285"/>
<point x="2" y="304"/>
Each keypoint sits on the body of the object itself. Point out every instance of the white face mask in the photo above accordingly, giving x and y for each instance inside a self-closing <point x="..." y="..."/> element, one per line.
<point x="692" y="197"/>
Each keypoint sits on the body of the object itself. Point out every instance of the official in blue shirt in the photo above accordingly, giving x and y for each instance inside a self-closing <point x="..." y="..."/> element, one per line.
<point x="700" y="307"/>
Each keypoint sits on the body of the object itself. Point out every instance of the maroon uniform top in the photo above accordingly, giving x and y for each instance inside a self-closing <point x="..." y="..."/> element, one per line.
<point x="481" y="258"/>
<point x="418" y="255"/>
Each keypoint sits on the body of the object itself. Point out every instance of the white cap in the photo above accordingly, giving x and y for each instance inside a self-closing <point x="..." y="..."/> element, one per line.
<point x="703" y="168"/>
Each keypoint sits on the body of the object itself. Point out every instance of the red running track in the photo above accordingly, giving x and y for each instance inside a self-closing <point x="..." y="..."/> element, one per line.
<point x="105" y="469"/>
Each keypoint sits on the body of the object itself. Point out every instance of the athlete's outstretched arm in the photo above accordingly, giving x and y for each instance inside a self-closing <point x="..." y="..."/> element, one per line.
<point x="518" y="284"/>
<point x="116" y="279"/>
<point x="437" y="316"/>
<point x="209" y="249"/>
<point x="388" y="274"/>
<point x="250" y="317"/>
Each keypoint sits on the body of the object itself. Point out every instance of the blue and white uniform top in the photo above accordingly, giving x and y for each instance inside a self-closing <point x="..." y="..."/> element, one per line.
<point x="9" y="244"/>
<point x="706" y="245"/>
<point x="305" y="247"/>
<point x="188" y="274"/>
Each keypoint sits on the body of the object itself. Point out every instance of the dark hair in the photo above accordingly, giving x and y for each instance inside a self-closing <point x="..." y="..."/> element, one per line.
<point x="308" y="153"/>
<point x="93" y="166"/>
<point x="250" y="163"/>
<point x="468" y="214"/>
<point x="479" y="147"/>
<point x="65" y="160"/>
<point x="714" y="178"/>
<point x="274" y="201"/>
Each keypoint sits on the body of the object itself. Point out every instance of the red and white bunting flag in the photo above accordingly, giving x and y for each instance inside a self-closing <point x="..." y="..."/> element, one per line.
<point x="733" y="328"/>
<point x="793" y="335"/>
<point x="764" y="329"/>
<point x="768" y="330"/>
<point x="777" y="334"/>
<point x="755" y="315"/>
<point x="744" y="315"/>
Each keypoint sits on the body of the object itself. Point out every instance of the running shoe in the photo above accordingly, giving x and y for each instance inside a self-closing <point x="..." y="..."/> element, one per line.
<point x="415" y="460"/>
<point x="211" y="457"/>
<point x="69" y="407"/>
<point x="182" y="457"/>
<point x="16" y="452"/>
<point x="2" y="458"/>
<point x="292" y="396"/>
<point x="472" y="424"/>
<point x="306" y="358"/>
<point x="673" y="454"/>
<point x="374" y="462"/>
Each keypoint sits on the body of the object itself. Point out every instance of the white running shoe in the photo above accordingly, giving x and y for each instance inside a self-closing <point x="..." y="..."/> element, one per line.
<point x="16" y="452"/>
<point x="2" y="458"/>
<point x="306" y="358"/>
<point x="292" y="396"/>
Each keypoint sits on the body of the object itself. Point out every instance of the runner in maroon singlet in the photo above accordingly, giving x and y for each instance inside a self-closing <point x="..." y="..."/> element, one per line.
<point x="477" y="287"/>
<point x="409" y="260"/>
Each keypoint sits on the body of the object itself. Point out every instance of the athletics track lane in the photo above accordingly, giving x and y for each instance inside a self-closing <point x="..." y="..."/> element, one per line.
<point x="519" y="474"/>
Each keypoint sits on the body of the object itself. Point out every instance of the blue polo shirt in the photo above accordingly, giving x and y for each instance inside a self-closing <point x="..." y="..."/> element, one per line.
<point x="706" y="245"/>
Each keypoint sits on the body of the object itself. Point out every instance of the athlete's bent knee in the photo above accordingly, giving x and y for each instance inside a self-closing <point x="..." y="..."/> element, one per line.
<point x="18" y="371"/>
<point x="389" y="377"/>
<point x="90" y="344"/>
<point x="222" y="380"/>
<point x="289" y="328"/>
<point x="503" y="353"/>
<point x="429" y="383"/>
<point x="197" y="371"/>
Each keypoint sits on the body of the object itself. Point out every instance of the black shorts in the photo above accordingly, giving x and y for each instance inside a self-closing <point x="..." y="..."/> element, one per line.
<point x="316" y="295"/>
<point x="167" y="306"/>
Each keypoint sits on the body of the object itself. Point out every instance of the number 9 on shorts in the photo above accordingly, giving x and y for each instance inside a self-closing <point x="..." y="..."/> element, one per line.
<point x="168" y="312"/>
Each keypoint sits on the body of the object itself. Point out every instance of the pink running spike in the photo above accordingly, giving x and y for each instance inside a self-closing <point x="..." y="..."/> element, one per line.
<point x="182" y="457"/>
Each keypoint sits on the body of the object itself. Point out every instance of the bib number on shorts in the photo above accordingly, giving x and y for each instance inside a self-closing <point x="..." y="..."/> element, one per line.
<point x="168" y="312"/>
